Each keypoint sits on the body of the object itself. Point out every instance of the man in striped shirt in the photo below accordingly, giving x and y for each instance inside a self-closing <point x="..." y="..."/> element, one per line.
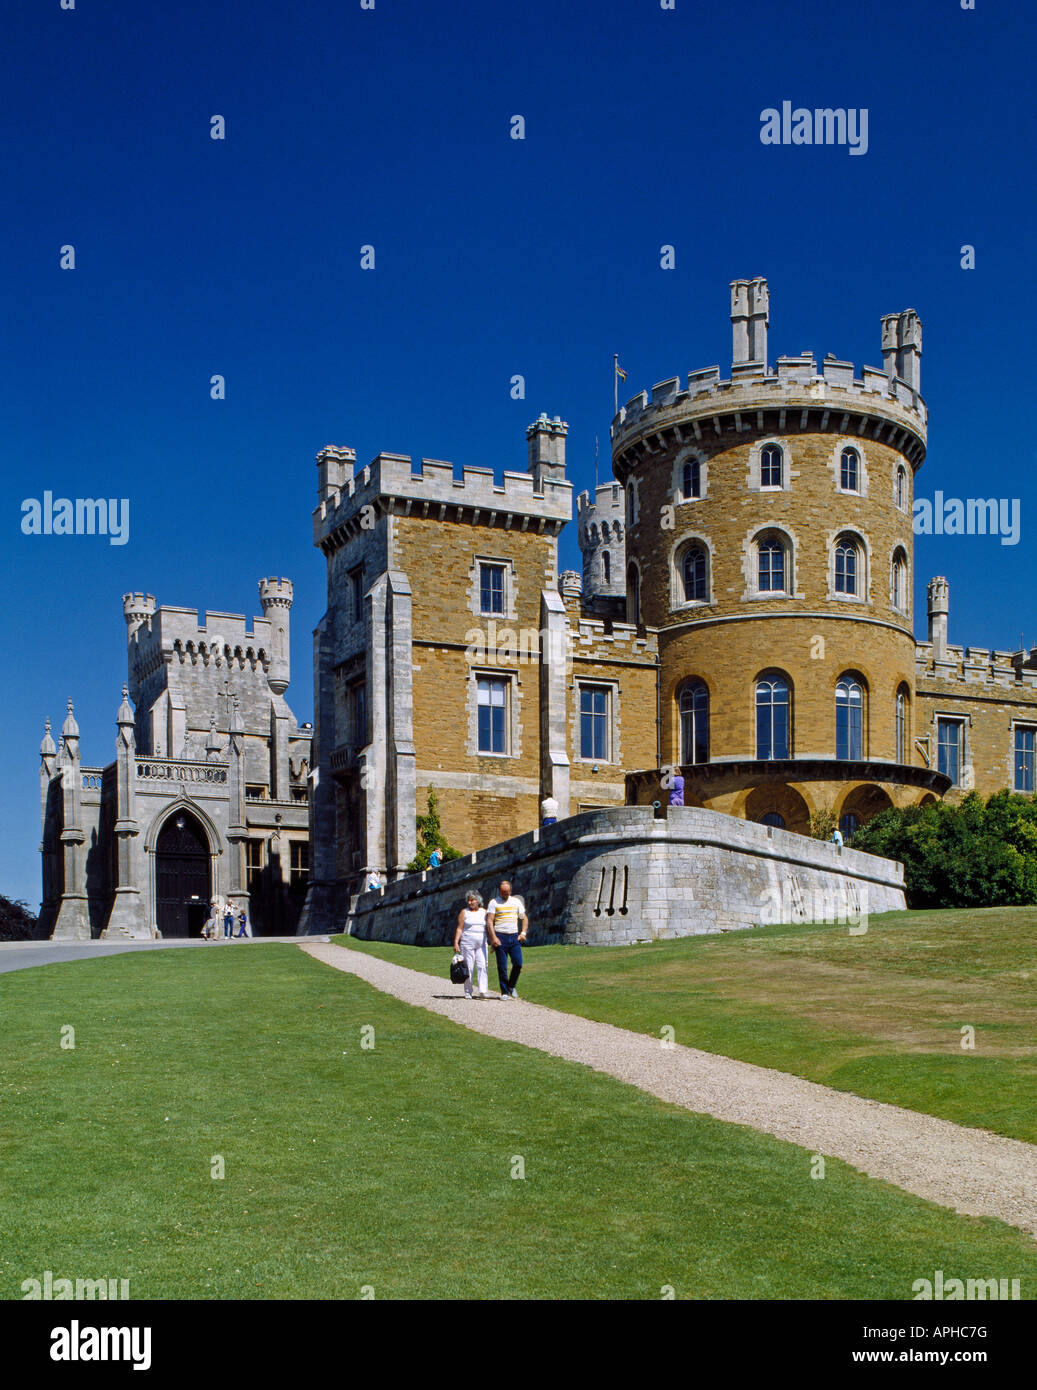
<point x="508" y="926"/>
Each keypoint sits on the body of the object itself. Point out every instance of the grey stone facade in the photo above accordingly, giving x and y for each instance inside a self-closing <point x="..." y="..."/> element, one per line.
<point x="619" y="875"/>
<point x="207" y="797"/>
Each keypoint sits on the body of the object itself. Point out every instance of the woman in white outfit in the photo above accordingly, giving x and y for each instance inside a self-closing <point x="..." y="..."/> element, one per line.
<point x="470" y="940"/>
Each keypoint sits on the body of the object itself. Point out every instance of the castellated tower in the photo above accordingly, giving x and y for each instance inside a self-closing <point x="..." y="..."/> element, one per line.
<point x="600" y="534"/>
<point x="428" y="674"/>
<point x="275" y="595"/>
<point x="769" y="544"/>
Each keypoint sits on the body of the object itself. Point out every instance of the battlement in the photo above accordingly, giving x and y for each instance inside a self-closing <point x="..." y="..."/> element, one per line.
<point x="275" y="593"/>
<point x="977" y="666"/>
<point x="595" y="639"/>
<point x="849" y="403"/>
<point x="608" y="500"/>
<point x="882" y="402"/>
<point x="434" y="492"/>
<point x="220" y="634"/>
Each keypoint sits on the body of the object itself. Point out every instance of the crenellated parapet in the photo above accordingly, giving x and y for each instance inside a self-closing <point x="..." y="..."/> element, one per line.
<point x="795" y="397"/>
<point x="389" y="486"/>
<point x="978" y="667"/>
<point x="597" y="640"/>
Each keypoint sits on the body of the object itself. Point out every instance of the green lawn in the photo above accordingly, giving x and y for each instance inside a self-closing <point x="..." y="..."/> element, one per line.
<point x="391" y="1167"/>
<point x="879" y="1014"/>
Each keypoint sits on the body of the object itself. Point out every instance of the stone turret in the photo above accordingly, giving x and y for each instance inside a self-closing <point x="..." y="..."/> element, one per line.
<point x="547" y="450"/>
<point x="601" y="534"/>
<point x="939" y="606"/>
<point x="73" y="923"/>
<point x="275" y="595"/>
<point x="137" y="610"/>
<point x="750" y="316"/>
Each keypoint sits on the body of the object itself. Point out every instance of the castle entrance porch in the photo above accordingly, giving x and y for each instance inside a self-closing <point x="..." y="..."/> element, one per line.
<point x="182" y="883"/>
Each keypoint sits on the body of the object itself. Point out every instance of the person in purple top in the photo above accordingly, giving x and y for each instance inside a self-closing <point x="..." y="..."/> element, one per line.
<point x="677" y="790"/>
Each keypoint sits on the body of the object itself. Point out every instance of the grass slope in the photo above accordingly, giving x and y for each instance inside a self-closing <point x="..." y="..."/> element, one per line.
<point x="391" y="1167"/>
<point x="879" y="1014"/>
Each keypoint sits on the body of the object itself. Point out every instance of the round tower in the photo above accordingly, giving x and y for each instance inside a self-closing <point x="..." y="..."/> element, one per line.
<point x="275" y="595"/>
<point x="769" y="543"/>
<point x="137" y="609"/>
<point x="600" y="532"/>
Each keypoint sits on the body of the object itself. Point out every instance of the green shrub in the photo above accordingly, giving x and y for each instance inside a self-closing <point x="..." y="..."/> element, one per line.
<point x="974" y="854"/>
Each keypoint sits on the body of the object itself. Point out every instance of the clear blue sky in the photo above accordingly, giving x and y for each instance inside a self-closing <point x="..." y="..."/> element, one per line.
<point x="494" y="257"/>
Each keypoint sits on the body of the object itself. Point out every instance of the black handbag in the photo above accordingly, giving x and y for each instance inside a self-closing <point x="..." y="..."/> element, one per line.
<point x="458" y="970"/>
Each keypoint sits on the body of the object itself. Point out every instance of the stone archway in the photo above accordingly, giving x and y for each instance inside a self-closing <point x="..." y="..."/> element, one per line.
<point x="778" y="799"/>
<point x="864" y="802"/>
<point x="183" y="886"/>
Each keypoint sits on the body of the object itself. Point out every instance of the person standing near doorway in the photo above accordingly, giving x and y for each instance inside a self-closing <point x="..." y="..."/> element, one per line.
<point x="508" y="926"/>
<point x="228" y="922"/>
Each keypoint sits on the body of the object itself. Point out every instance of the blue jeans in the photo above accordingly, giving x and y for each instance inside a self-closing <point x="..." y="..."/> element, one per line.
<point x="509" y="947"/>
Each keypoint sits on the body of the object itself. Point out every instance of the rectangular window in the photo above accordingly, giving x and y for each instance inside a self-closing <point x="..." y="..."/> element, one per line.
<point x="255" y="792"/>
<point x="491" y="588"/>
<point x="594" y="722"/>
<point x="254" y="864"/>
<point x="949" y="748"/>
<point x="359" y="693"/>
<point x="493" y="709"/>
<point x="300" y="872"/>
<point x="356" y="584"/>
<point x="1025" y="749"/>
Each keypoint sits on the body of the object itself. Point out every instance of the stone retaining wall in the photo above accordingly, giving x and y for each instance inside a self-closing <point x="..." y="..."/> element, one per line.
<point x="613" y="876"/>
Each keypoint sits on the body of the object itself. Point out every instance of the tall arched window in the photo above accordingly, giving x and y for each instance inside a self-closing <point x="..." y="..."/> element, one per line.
<point x="606" y="567"/>
<point x="846" y="566"/>
<point x="772" y="472"/>
<point x="772" y="717"/>
<point x="633" y="594"/>
<point x="849" y="719"/>
<point x="899" y="581"/>
<point x="901" y="725"/>
<point x="691" y="479"/>
<point x="901" y="489"/>
<point x="850" y="470"/>
<point x="771" y="565"/>
<point x="693" y="704"/>
<point x="695" y="575"/>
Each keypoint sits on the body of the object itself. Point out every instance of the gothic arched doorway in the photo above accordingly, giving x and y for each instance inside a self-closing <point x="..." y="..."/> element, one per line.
<point x="182" y="885"/>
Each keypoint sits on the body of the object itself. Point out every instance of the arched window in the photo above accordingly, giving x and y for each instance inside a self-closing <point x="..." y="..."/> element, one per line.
<point x="633" y="594"/>
<point x="694" y="575"/>
<point x="849" y="719"/>
<point x="901" y="725"/>
<point x="846" y="557"/>
<point x="771" y="565"/>
<point x="850" y="824"/>
<point x="691" y="479"/>
<point x="901" y="488"/>
<point x="899" y="584"/>
<point x="631" y="505"/>
<point x="774" y="819"/>
<point x="772" y="717"/>
<point x="772" y="472"/>
<point x="606" y="567"/>
<point x="850" y="470"/>
<point x="693" y="705"/>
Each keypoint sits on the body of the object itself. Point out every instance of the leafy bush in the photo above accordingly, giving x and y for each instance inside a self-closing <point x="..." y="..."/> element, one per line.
<point x="17" y="923"/>
<point x="823" y="823"/>
<point x="969" y="855"/>
<point x="430" y="837"/>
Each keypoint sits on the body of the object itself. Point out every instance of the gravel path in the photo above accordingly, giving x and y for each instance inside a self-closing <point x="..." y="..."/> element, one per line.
<point x="969" y="1170"/>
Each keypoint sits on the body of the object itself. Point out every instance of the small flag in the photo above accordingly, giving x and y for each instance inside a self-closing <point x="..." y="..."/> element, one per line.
<point x="620" y="372"/>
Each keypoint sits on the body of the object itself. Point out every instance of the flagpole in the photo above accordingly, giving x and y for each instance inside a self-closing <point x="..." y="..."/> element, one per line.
<point x="615" y="384"/>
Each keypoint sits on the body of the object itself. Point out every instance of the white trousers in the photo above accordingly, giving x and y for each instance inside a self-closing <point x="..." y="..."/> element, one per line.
<point x="473" y="948"/>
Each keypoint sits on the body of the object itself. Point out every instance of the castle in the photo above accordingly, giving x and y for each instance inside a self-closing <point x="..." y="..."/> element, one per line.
<point x="743" y="616"/>
<point x="207" y="797"/>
